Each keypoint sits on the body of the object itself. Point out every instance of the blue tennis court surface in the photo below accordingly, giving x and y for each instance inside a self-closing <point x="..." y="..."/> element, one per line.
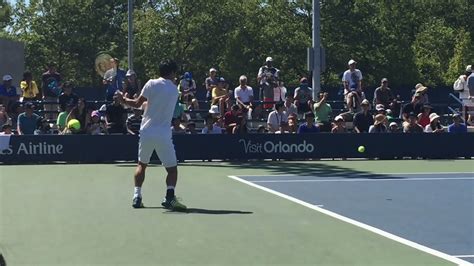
<point x="435" y="210"/>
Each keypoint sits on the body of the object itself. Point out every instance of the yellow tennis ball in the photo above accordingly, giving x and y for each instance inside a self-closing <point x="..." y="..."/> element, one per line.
<point x="361" y="149"/>
<point x="74" y="124"/>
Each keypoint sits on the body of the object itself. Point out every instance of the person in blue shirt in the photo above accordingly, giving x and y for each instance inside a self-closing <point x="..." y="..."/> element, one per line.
<point x="309" y="126"/>
<point x="27" y="121"/>
<point x="113" y="79"/>
<point x="457" y="126"/>
<point x="8" y="93"/>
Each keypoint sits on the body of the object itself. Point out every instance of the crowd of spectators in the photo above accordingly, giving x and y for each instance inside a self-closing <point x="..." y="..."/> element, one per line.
<point x="50" y="108"/>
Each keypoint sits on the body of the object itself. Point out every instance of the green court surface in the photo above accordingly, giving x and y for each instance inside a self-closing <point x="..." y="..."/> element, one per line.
<point x="82" y="215"/>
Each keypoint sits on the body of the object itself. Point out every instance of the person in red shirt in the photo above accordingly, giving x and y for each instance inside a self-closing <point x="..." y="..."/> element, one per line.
<point x="424" y="116"/>
<point x="231" y="118"/>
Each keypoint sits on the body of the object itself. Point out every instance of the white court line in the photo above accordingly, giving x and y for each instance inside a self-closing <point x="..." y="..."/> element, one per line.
<point x="360" y="180"/>
<point x="359" y="224"/>
<point x="369" y="173"/>
<point x="464" y="256"/>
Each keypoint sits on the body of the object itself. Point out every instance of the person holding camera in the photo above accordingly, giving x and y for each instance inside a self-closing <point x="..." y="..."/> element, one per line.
<point x="322" y="111"/>
<point x="267" y="78"/>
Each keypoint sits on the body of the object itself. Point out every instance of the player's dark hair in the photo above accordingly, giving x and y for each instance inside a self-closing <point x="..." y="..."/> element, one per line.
<point x="167" y="67"/>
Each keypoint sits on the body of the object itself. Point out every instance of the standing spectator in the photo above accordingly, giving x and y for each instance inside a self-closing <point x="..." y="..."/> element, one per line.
<point x="339" y="125"/>
<point x="131" y="85"/>
<point x="412" y="125"/>
<point x="134" y="122"/>
<point x="244" y="95"/>
<point x="379" y="124"/>
<point x="413" y="107"/>
<point x="211" y="82"/>
<point x="393" y="128"/>
<point x="187" y="85"/>
<point x="241" y="126"/>
<point x="280" y="92"/>
<point x="276" y="118"/>
<point x="322" y="111"/>
<point x="113" y="79"/>
<point x="96" y="126"/>
<point x="4" y="117"/>
<point x="51" y="88"/>
<point x="457" y="126"/>
<point x="28" y="87"/>
<point x="352" y="82"/>
<point x="383" y="95"/>
<point x="231" y="118"/>
<point x="8" y="94"/>
<point x="309" y="126"/>
<point x="461" y="86"/>
<point x="424" y="116"/>
<point x="68" y="96"/>
<point x="220" y="95"/>
<point x="363" y="119"/>
<point x="115" y="116"/>
<point x="176" y="127"/>
<point x="303" y="96"/>
<point x="434" y="126"/>
<point x="27" y="121"/>
<point x="470" y="86"/>
<point x="6" y="130"/>
<point x="290" y="107"/>
<point x="267" y="78"/>
<point x="211" y="126"/>
<point x="422" y="91"/>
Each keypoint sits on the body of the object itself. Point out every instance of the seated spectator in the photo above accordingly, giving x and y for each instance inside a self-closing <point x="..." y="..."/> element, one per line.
<point x="27" y="121"/>
<point x="176" y="127"/>
<point x="6" y="130"/>
<point x="339" y="125"/>
<point x="211" y="126"/>
<point x="261" y="129"/>
<point x="309" y="126"/>
<point x="241" y="126"/>
<point x="379" y="124"/>
<point x="457" y="126"/>
<point x="214" y="111"/>
<point x="434" y="126"/>
<point x="179" y="111"/>
<point x="380" y="109"/>
<point x="363" y="119"/>
<point x="231" y="118"/>
<point x="279" y="92"/>
<point x="322" y="111"/>
<point x="190" y="103"/>
<point x="17" y="109"/>
<point x="393" y="128"/>
<point x="43" y="127"/>
<point x="67" y="96"/>
<point x="422" y="91"/>
<point x="191" y="128"/>
<point x="30" y="91"/>
<point x="187" y="85"/>
<point x="424" y="116"/>
<point x="412" y="126"/>
<point x="62" y="117"/>
<point x="383" y="95"/>
<point x="292" y="123"/>
<point x="276" y="117"/>
<point x="413" y="107"/>
<point x="80" y="113"/>
<point x="96" y="126"/>
<point x="211" y="82"/>
<point x="303" y="96"/>
<point x="390" y="116"/>
<point x="115" y="117"/>
<point x="220" y="95"/>
<point x="244" y="95"/>
<point x="290" y="107"/>
<point x="134" y="122"/>
<point x="4" y="118"/>
<point x="8" y="94"/>
<point x="131" y="85"/>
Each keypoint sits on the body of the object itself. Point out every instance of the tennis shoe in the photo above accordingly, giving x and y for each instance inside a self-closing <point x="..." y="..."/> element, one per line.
<point x="173" y="204"/>
<point x="137" y="203"/>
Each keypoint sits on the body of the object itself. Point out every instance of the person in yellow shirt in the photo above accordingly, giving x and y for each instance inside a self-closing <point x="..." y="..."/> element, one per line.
<point x="220" y="96"/>
<point x="28" y="87"/>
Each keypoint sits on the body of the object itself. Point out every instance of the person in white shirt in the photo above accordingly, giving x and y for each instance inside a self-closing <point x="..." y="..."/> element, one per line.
<point x="276" y="118"/>
<point x="279" y="92"/>
<point x="155" y="133"/>
<point x="352" y="82"/>
<point x="461" y="86"/>
<point x="211" y="126"/>
<point x="244" y="95"/>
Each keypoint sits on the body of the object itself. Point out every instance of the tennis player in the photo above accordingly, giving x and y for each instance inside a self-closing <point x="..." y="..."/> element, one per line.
<point x="155" y="132"/>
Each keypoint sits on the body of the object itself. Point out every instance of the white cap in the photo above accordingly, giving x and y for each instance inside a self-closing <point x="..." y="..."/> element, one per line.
<point x="130" y="72"/>
<point x="393" y="124"/>
<point x="379" y="107"/>
<point x="7" y="78"/>
<point x="339" y="117"/>
<point x="352" y="61"/>
<point x="469" y="68"/>
<point x="214" y="109"/>
<point x="212" y="70"/>
<point x="269" y="59"/>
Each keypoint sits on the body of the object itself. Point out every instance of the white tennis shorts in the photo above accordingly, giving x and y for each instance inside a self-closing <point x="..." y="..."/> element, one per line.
<point x="162" y="144"/>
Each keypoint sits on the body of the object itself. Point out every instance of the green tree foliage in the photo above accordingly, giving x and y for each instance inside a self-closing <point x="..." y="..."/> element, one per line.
<point x="406" y="41"/>
<point x="5" y="14"/>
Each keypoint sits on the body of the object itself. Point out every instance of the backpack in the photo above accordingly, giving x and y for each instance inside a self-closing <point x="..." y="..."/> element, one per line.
<point x="459" y="84"/>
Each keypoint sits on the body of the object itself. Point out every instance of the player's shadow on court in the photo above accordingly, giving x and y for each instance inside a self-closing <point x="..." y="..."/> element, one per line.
<point x="203" y="211"/>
